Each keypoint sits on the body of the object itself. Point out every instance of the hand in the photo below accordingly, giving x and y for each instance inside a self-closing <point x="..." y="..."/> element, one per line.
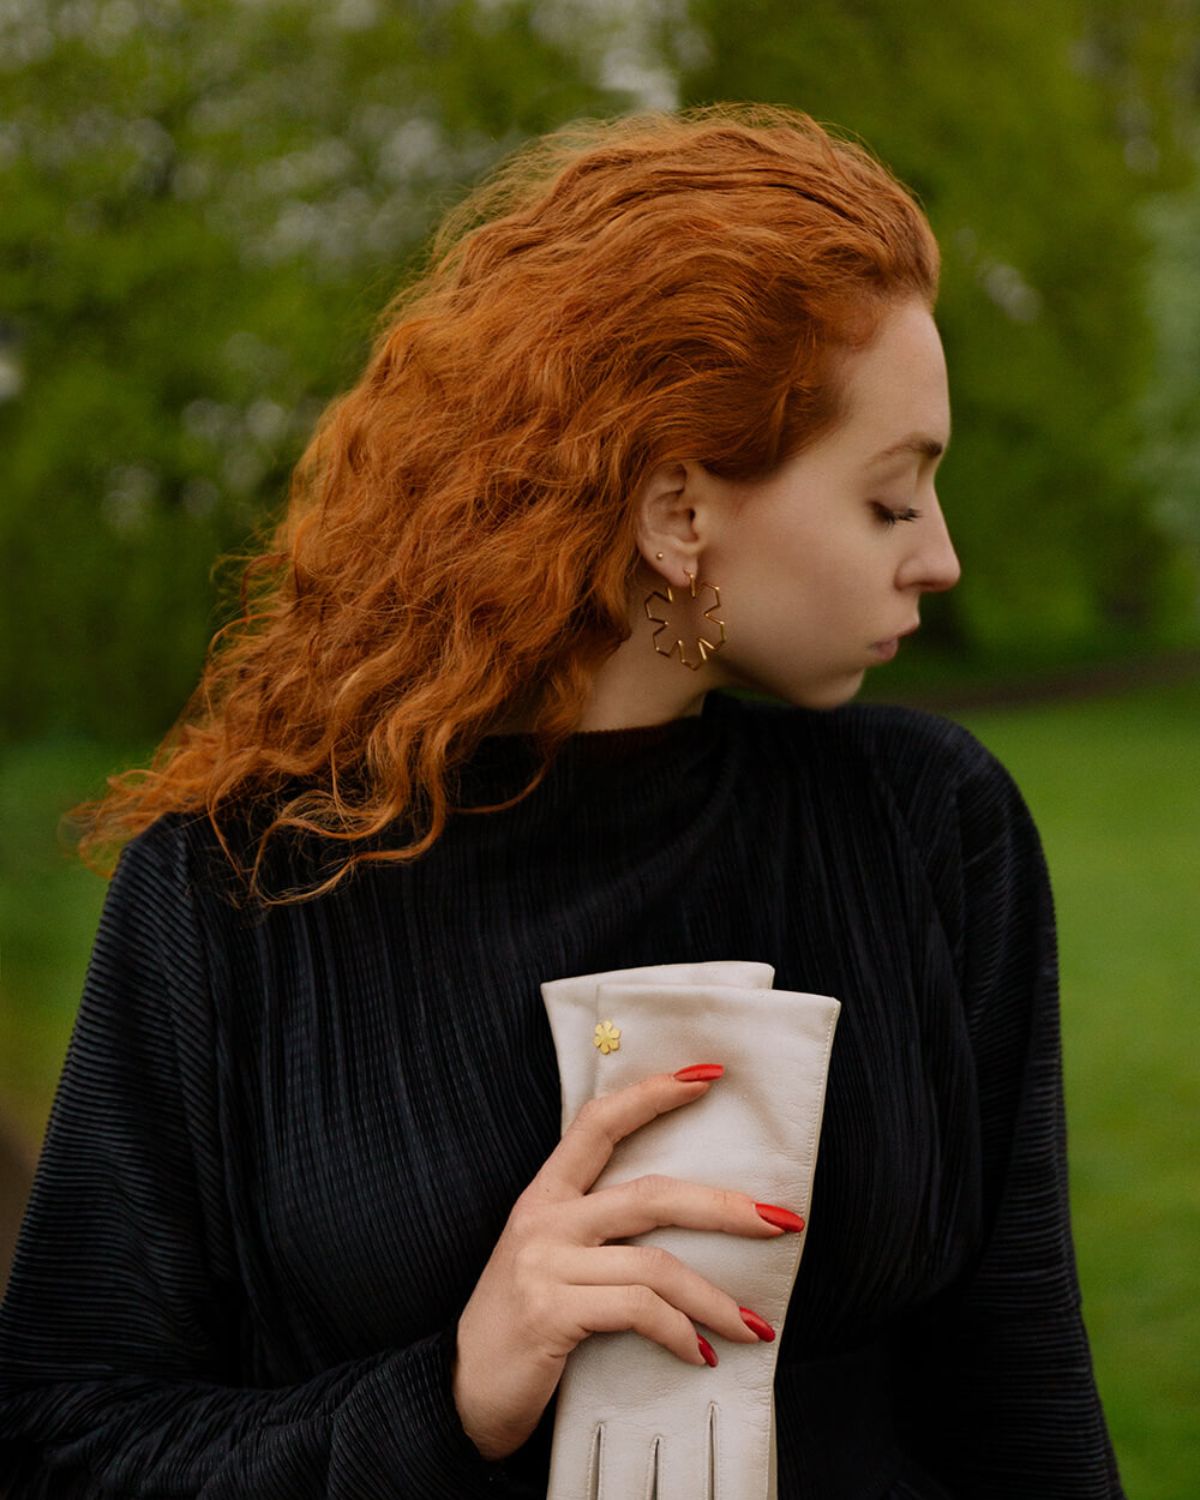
<point x="551" y="1279"/>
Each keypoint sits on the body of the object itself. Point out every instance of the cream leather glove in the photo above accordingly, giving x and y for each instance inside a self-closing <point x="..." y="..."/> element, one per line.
<point x="633" y="1422"/>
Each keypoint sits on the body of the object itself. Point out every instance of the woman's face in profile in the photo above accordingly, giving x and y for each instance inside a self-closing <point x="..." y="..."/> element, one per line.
<point x="829" y="557"/>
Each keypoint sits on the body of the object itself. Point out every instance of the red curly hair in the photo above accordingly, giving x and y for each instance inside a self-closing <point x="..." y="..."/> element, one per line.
<point x="459" y="536"/>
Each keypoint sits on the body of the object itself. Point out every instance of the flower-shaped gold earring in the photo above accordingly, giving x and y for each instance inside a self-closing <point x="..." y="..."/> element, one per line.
<point x="705" y="647"/>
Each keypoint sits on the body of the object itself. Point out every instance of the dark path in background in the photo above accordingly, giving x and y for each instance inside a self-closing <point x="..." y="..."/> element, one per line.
<point x="16" y="1177"/>
<point x="1059" y="685"/>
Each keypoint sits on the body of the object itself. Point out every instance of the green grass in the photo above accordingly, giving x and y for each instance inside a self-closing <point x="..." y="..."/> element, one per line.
<point x="1114" y="786"/>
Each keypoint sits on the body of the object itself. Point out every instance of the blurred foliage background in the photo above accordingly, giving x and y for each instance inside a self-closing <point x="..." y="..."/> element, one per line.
<point x="204" y="204"/>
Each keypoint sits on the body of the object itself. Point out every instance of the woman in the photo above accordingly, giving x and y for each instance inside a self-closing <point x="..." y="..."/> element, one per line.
<point x="663" y="419"/>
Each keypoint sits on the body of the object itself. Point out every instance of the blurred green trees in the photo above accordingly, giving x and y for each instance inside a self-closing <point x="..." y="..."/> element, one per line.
<point x="203" y="205"/>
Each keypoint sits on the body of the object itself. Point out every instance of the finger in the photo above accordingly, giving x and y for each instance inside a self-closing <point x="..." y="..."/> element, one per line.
<point x="613" y="1309"/>
<point x="650" y="1265"/>
<point x="652" y="1201"/>
<point x="588" y="1141"/>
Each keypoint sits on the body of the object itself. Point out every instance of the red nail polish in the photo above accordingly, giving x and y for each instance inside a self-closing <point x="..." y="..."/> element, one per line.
<point x="709" y="1353"/>
<point x="699" y="1072"/>
<point x="781" y="1217"/>
<point x="757" y="1325"/>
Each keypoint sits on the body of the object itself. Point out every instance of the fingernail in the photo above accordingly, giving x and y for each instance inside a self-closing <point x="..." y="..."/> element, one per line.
<point x="757" y="1325"/>
<point x="709" y="1353"/>
<point x="781" y="1217"/>
<point x="699" y="1072"/>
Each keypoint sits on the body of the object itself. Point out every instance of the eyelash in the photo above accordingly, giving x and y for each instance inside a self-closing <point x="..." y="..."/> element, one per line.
<point x="889" y="517"/>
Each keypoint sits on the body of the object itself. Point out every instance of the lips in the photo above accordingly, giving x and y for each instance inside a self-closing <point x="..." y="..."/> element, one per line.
<point x="885" y="650"/>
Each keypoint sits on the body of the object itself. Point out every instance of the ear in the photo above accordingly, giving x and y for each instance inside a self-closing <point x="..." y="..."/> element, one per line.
<point x="665" y="519"/>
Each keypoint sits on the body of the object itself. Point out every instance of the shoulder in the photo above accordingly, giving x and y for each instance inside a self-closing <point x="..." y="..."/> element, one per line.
<point x="922" y="763"/>
<point x="927" y="760"/>
<point x="930" y="786"/>
<point x="175" y="875"/>
<point x="149" y="927"/>
<point x="151" y="867"/>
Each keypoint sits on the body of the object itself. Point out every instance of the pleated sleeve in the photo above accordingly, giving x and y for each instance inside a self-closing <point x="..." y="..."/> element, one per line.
<point x="997" y="1386"/>
<point x="119" y="1333"/>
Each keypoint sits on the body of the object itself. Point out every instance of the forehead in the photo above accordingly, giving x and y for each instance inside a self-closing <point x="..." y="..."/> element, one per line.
<point x="897" y="389"/>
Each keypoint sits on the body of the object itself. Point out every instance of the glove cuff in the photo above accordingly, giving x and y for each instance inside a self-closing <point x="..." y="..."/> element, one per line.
<point x="631" y="1419"/>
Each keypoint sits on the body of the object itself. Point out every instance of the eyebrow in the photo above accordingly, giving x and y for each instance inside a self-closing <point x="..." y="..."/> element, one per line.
<point x="926" y="446"/>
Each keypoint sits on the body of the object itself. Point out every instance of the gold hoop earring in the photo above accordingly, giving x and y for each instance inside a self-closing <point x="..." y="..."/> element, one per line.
<point x="706" y="647"/>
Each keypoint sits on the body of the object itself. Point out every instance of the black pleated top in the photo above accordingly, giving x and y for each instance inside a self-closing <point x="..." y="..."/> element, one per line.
<point x="283" y="1146"/>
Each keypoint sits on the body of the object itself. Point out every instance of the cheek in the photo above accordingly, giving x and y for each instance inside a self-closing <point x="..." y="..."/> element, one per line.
<point x="795" y="579"/>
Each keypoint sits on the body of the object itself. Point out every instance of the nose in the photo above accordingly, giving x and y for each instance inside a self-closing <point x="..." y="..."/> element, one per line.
<point x="932" y="565"/>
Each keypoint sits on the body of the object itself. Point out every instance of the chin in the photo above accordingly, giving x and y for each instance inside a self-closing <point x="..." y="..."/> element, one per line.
<point x="836" y="696"/>
<point x="829" y="694"/>
<point x="828" y="689"/>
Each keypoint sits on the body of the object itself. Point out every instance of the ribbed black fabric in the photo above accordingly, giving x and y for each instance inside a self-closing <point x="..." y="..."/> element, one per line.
<point x="282" y="1148"/>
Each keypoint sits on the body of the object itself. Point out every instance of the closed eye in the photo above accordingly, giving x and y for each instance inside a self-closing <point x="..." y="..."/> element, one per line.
<point x="889" y="517"/>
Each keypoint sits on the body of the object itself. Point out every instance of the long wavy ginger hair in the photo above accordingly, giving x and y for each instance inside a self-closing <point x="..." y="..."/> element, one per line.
<point x="459" y="535"/>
